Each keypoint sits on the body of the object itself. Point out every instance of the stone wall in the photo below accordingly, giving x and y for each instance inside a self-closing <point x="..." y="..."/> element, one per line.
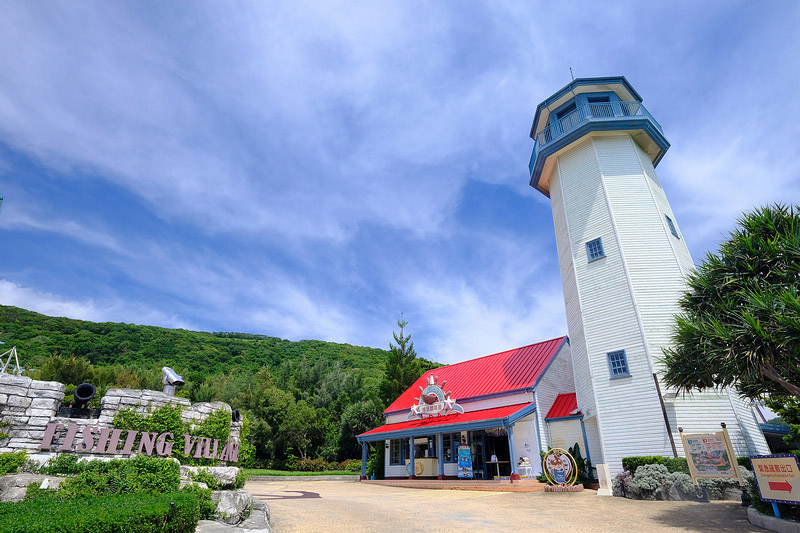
<point x="29" y="405"/>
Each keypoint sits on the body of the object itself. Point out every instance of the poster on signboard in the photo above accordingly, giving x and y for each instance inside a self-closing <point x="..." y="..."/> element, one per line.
<point x="709" y="455"/>
<point x="464" y="462"/>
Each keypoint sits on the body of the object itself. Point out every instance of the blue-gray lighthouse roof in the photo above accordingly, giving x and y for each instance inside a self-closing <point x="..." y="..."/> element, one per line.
<point x="586" y="105"/>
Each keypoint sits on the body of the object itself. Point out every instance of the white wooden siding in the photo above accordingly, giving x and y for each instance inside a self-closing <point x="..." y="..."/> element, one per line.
<point x="525" y="438"/>
<point x="628" y="413"/>
<point x="565" y="433"/>
<point x="557" y="380"/>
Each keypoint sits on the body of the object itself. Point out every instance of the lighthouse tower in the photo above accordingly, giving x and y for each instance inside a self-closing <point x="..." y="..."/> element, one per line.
<point x="623" y="261"/>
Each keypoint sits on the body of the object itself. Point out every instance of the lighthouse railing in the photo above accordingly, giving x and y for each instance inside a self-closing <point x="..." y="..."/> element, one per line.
<point x="559" y="126"/>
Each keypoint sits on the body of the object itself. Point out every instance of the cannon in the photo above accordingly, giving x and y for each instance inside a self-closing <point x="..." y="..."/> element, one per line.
<point x="82" y="395"/>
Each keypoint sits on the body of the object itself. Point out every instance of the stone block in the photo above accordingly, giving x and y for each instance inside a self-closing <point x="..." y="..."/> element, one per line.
<point x="46" y="403"/>
<point x="18" y="401"/>
<point x="13" y="379"/>
<point x="53" y="394"/>
<point x="231" y="504"/>
<point x="3" y="399"/>
<point x="48" y="385"/>
<point x="39" y="420"/>
<point x="13" y="389"/>
<point x="46" y="413"/>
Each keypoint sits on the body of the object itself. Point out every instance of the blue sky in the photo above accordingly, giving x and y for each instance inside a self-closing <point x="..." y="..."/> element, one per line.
<point x="311" y="170"/>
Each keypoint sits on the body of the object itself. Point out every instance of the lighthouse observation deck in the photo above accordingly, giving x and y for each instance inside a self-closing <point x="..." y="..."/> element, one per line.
<point x="587" y="105"/>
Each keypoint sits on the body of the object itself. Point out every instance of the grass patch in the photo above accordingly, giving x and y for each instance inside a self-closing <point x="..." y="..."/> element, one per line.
<point x="267" y="472"/>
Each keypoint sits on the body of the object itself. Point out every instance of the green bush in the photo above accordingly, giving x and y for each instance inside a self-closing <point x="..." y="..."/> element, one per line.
<point x="351" y="465"/>
<point x="10" y="462"/>
<point x="314" y="465"/>
<point x="132" y="513"/>
<point x="653" y="480"/>
<point x="673" y="464"/>
<point x="141" y="474"/>
<point x="683" y="482"/>
<point x="167" y="419"/>
<point x="744" y="462"/>
<point x="65" y="464"/>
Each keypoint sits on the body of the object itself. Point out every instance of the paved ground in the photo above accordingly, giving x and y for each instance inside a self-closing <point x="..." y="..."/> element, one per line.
<point x="317" y="506"/>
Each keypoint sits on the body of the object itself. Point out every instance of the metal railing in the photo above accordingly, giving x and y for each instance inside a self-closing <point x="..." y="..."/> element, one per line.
<point x="586" y="112"/>
<point x="594" y="110"/>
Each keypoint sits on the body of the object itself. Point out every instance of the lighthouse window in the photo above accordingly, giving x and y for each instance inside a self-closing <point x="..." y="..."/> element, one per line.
<point x="594" y="249"/>
<point x="672" y="227"/>
<point x="618" y="364"/>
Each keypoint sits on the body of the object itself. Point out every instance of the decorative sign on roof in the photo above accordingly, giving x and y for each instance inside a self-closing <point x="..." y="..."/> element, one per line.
<point x="433" y="400"/>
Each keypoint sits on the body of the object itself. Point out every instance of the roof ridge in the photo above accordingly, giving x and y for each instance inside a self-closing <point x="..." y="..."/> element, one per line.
<point x="497" y="353"/>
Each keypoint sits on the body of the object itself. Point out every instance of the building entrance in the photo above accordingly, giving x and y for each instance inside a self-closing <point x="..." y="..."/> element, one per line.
<point x="498" y="457"/>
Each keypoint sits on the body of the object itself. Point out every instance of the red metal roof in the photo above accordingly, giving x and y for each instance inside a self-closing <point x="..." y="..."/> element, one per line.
<point x="515" y="369"/>
<point x="453" y="418"/>
<point x="565" y="405"/>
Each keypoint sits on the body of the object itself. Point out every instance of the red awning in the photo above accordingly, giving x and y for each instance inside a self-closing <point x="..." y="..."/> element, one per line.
<point x="452" y="421"/>
<point x="564" y="405"/>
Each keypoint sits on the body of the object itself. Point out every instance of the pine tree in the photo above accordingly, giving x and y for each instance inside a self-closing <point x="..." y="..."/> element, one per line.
<point x="402" y="366"/>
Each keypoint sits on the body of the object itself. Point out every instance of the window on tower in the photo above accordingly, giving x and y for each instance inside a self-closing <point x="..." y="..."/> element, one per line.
<point x="618" y="364"/>
<point x="672" y="226"/>
<point x="594" y="249"/>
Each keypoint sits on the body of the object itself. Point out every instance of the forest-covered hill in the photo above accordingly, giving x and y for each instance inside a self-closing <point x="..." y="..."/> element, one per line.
<point x="193" y="354"/>
<point x="302" y="401"/>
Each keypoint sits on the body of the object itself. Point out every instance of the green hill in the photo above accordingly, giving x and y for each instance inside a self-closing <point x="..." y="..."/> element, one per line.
<point x="303" y="401"/>
<point x="194" y="353"/>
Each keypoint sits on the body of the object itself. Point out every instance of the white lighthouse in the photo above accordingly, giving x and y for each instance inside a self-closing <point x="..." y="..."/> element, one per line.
<point x="623" y="261"/>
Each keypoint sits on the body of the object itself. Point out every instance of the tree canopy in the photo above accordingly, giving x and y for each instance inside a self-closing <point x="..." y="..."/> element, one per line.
<point x="740" y="318"/>
<point x="402" y="366"/>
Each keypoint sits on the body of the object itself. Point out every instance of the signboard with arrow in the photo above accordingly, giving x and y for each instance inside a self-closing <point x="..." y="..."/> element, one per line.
<point x="778" y="477"/>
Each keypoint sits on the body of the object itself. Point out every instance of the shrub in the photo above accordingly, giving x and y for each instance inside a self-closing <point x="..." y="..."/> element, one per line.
<point x="673" y="464"/>
<point x="10" y="462"/>
<point x="202" y="476"/>
<point x="681" y="481"/>
<point x="167" y="419"/>
<point x="744" y="462"/>
<point x="351" y="465"/>
<point x="313" y="465"/>
<point x="653" y="480"/>
<point x="65" y="464"/>
<point x="131" y="513"/>
<point x="141" y="474"/>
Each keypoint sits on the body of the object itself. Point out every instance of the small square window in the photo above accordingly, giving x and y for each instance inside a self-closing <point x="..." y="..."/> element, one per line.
<point x="672" y="227"/>
<point x="594" y="250"/>
<point x="618" y="364"/>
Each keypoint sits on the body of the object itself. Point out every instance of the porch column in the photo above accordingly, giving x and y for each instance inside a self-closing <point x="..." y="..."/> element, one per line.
<point x="364" y="447"/>
<point x="440" y="453"/>
<point x="513" y="459"/>
<point x="412" y="475"/>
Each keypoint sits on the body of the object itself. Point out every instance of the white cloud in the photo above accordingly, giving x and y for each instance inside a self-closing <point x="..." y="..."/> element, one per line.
<point x="88" y="309"/>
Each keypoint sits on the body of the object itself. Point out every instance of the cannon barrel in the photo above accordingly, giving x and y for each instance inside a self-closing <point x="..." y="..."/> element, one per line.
<point x="83" y="393"/>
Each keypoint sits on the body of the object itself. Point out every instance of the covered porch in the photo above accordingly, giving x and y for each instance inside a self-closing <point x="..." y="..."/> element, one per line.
<point x="428" y="448"/>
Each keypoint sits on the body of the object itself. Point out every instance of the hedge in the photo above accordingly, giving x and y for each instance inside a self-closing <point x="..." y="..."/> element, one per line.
<point x="676" y="464"/>
<point x="673" y="464"/>
<point x="131" y="513"/>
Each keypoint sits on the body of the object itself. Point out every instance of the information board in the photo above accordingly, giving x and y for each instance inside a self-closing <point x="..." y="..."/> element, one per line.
<point x="709" y="456"/>
<point x="777" y="477"/>
<point x="464" y="462"/>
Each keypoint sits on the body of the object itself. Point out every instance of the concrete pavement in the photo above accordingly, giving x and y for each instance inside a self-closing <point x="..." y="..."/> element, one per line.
<point x="316" y="506"/>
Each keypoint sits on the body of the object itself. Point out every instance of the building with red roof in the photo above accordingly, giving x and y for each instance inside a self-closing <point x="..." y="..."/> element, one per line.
<point x="496" y="405"/>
